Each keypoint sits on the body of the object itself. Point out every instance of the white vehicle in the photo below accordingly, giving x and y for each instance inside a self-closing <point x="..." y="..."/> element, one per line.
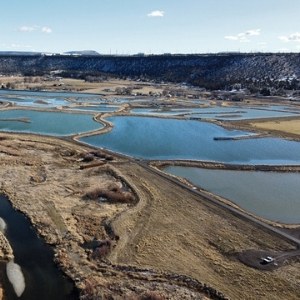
<point x="267" y="260"/>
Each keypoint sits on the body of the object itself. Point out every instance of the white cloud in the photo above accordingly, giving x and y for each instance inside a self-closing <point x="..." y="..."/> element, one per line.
<point x="252" y="32"/>
<point x="156" y="13"/>
<point x="46" y="29"/>
<point x="294" y="37"/>
<point x="231" y="37"/>
<point x="43" y="29"/>
<point x="27" y="28"/>
<point x="243" y="37"/>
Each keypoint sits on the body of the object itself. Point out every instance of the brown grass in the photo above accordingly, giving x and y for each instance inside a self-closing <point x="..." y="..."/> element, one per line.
<point x="88" y="157"/>
<point x="150" y="295"/>
<point x="103" y="250"/>
<point x="91" y="290"/>
<point x="101" y="154"/>
<point x="285" y="126"/>
<point x="98" y="153"/>
<point x="112" y="194"/>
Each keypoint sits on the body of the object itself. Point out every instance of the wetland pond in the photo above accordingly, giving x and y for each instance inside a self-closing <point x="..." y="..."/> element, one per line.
<point x="96" y="108"/>
<point x="32" y="102"/>
<point x="46" y="94"/>
<point x="168" y="139"/>
<point x="46" y="99"/>
<point x="47" y="123"/>
<point x="222" y="113"/>
<point x="43" y="280"/>
<point x="271" y="195"/>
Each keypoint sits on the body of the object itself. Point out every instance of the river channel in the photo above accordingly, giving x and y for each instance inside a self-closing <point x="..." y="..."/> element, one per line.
<point x="43" y="280"/>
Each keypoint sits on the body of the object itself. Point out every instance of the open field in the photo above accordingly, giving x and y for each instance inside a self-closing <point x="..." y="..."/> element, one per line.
<point x="165" y="230"/>
<point x="104" y="87"/>
<point x="287" y="127"/>
<point x="290" y="127"/>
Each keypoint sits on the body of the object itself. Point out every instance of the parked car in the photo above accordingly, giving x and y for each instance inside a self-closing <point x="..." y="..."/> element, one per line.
<point x="267" y="260"/>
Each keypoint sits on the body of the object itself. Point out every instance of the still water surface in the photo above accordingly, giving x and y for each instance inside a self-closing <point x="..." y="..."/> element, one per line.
<point x="47" y="123"/>
<point x="38" y="94"/>
<point x="222" y="113"/>
<point x="155" y="138"/>
<point x="274" y="196"/>
<point x="43" y="280"/>
<point x="46" y="99"/>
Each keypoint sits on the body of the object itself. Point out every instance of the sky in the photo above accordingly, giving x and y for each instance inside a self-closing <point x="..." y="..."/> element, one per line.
<point x="150" y="26"/>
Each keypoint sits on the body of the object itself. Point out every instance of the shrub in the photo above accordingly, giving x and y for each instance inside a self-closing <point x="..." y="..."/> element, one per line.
<point x="114" y="194"/>
<point x="91" y="290"/>
<point x="93" y="194"/>
<point x="102" y="250"/>
<point x="99" y="154"/>
<point x="150" y="295"/>
<point x="88" y="157"/>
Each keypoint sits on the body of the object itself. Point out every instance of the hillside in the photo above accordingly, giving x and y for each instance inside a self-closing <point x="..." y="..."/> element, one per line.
<point x="210" y="71"/>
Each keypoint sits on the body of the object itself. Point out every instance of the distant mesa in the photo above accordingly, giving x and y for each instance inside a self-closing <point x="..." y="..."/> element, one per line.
<point x="261" y="73"/>
<point x="21" y="53"/>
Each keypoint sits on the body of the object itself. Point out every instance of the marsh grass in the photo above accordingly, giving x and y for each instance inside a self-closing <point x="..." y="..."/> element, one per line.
<point x="112" y="194"/>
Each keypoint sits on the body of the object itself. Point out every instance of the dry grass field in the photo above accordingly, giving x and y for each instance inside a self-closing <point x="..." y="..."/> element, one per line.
<point x="161" y="230"/>
<point x="105" y="87"/>
<point x="290" y="127"/>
